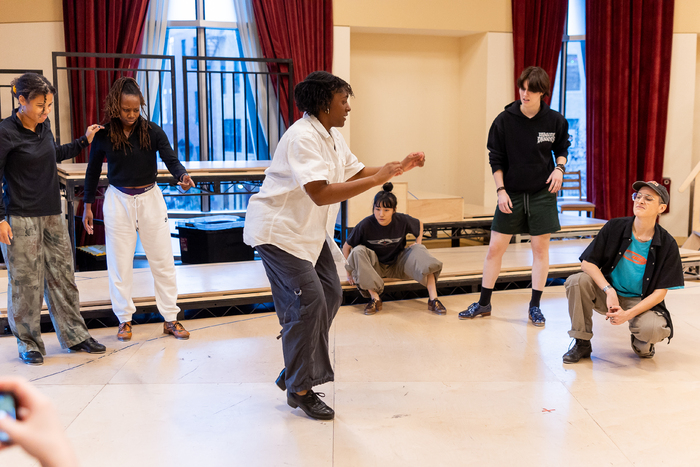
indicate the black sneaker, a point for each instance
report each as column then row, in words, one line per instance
column 32, row 357
column 89, row 345
column 536, row 316
column 475, row 310
column 311, row 404
column 581, row 349
column 649, row 354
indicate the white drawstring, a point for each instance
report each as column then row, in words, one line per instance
column 136, row 210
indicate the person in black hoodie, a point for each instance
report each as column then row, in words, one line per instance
column 33, row 234
column 524, row 142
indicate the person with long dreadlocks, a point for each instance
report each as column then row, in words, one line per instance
column 133, row 204
column 33, row 234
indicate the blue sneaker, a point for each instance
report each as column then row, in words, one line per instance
column 475, row 310
column 536, row 316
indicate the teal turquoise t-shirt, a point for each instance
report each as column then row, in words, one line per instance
column 628, row 275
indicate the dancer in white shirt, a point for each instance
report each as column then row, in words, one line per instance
column 290, row 223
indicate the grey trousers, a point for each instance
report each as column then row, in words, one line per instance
column 40, row 263
column 584, row 296
column 307, row 298
column 414, row 263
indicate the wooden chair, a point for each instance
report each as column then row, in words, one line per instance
column 572, row 182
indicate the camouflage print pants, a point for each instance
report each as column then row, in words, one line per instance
column 40, row 263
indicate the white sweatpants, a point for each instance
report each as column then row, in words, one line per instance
column 146, row 215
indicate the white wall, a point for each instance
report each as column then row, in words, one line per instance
column 29, row 46
column 678, row 152
column 406, row 99
column 341, row 67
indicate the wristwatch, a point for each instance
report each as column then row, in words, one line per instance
column 500, row 188
column 605, row 289
column 561, row 167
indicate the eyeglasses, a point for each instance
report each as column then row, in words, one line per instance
column 647, row 198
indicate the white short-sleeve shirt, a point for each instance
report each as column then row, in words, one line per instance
column 282, row 214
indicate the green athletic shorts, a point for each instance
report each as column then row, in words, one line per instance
column 534, row 214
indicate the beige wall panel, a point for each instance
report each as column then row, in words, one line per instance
column 696, row 131
column 435, row 15
column 406, row 90
column 470, row 159
column 686, row 16
column 499, row 93
column 31, row 11
column 17, row 54
column 341, row 66
column 678, row 152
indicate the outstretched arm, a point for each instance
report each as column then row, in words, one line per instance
column 323, row 193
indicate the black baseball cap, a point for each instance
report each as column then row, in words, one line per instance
column 658, row 188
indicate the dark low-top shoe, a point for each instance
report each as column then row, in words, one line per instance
column 436, row 307
column 89, row 345
column 581, row 349
column 475, row 310
column 311, row 404
column 373, row 306
column 32, row 357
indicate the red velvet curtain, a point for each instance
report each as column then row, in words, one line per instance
column 628, row 48
column 98, row 26
column 538, row 29
column 298, row 29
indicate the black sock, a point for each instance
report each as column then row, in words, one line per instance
column 535, row 300
column 485, row 298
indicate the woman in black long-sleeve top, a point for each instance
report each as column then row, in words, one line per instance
column 134, row 204
column 33, row 234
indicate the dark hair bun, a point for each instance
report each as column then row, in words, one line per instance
column 388, row 186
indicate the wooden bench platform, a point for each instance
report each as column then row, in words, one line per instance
column 240, row 283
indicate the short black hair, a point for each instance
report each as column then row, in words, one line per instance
column 30, row 85
column 385, row 198
column 315, row 93
column 537, row 80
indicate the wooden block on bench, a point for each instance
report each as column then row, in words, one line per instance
column 435, row 207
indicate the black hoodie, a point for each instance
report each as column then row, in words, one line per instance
column 522, row 147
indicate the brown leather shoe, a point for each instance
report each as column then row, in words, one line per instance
column 373, row 306
column 436, row 307
column 176, row 329
column 124, row 333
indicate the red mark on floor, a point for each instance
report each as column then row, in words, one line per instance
column 548, row 410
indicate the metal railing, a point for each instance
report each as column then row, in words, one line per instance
column 93, row 68
column 236, row 102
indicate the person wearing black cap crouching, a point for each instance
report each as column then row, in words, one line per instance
column 627, row 271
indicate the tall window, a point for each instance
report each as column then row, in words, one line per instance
column 222, row 118
column 569, row 93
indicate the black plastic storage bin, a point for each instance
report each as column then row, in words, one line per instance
column 216, row 239
column 91, row 258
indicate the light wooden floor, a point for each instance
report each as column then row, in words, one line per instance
column 411, row 389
